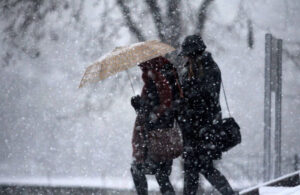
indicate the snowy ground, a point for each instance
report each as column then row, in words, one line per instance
column 102, row 183
column 121, row 184
column 280, row 190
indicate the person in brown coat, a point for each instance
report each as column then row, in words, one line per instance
column 154, row 111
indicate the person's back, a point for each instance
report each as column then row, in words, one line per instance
column 201, row 94
column 154, row 108
column 201, row 116
column 159, row 93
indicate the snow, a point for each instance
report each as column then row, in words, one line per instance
column 98, row 182
column 108, row 183
column 280, row 190
column 49, row 127
column 267, row 184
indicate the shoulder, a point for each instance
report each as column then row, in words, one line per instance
column 206, row 58
column 210, row 66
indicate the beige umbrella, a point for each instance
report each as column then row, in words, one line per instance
column 123, row 58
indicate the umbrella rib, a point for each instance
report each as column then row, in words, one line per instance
column 130, row 80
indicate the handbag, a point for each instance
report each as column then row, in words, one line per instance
column 232, row 135
column 229, row 130
column 164, row 144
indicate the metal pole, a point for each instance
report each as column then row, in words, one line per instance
column 278, row 103
column 267, row 108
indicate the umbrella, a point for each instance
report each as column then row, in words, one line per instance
column 123, row 58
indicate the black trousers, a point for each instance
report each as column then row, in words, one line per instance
column 193, row 165
column 161, row 170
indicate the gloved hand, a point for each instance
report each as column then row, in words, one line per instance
column 136, row 102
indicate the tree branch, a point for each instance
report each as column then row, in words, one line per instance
column 77, row 13
column 131, row 25
column 202, row 15
column 174, row 25
column 294, row 58
column 155, row 11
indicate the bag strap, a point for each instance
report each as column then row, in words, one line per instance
column 225, row 98
column 177, row 82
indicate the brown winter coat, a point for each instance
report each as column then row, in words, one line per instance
column 160, row 104
column 138, row 143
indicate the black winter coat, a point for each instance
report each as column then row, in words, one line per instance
column 201, row 110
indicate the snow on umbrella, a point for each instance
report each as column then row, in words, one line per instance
column 123, row 58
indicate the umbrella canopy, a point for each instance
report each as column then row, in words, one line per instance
column 123, row 58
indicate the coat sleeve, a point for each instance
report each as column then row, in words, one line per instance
column 209, row 88
column 212, row 83
column 212, row 78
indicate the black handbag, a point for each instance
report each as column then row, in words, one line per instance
column 229, row 130
column 231, row 134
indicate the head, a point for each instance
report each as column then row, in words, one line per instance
column 146, row 71
column 192, row 46
column 151, row 66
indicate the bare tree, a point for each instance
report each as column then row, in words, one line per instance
column 24, row 24
column 202, row 15
column 20, row 17
column 130, row 23
column 169, row 28
column 293, row 55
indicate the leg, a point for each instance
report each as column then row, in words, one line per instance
column 139, row 179
column 216, row 178
column 191, row 177
column 162, row 177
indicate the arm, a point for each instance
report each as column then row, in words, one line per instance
column 211, row 82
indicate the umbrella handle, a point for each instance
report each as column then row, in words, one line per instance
column 130, row 81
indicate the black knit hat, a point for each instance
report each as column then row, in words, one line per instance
column 192, row 44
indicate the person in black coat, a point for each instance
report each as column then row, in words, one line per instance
column 200, row 117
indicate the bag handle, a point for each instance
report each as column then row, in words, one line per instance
column 225, row 98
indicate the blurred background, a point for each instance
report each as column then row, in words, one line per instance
column 52, row 131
